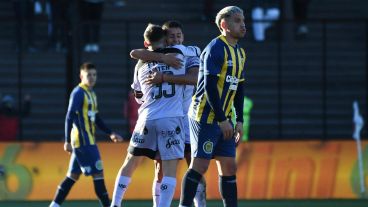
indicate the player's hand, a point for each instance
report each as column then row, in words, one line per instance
column 238, row 132
column 68, row 147
column 227, row 129
column 156, row 77
column 115, row 137
column 172, row 60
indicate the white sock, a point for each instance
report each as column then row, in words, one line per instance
column 200, row 197
column 121, row 185
column 168, row 185
column 53, row 204
column 156, row 193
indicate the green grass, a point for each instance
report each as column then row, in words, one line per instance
column 243, row 203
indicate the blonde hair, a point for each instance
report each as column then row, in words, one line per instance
column 225, row 13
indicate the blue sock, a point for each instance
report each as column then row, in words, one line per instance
column 229, row 190
column 101, row 191
column 189, row 187
column 63, row 190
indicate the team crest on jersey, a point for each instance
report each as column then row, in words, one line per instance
column 98, row 165
column 208, row 147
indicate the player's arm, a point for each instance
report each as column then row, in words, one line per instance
column 101, row 125
column 190, row 78
column 213, row 98
column 239, row 105
column 146, row 55
column 189, row 51
column 138, row 96
column 136, row 85
column 213, row 61
column 210, row 82
column 75, row 104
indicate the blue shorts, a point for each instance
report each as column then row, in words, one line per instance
column 85, row 159
column 208, row 142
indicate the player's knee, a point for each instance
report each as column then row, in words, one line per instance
column 158, row 174
column 98, row 176
column 229, row 169
column 200, row 165
column 74, row 176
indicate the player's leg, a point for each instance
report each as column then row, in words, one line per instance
column 168, row 183
column 203, row 138
column 124, row 177
column 226, row 166
column 227, row 180
column 100, row 189
column 142, row 143
column 200, row 196
column 170, row 139
column 191, row 180
column 90, row 161
column 63, row 189
column 157, row 183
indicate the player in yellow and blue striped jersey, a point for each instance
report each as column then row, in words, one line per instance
column 220, row 85
column 80, row 128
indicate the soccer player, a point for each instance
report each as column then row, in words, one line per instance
column 80, row 127
column 220, row 85
column 159, row 129
column 175, row 36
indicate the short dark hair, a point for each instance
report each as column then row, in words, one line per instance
column 172, row 24
column 153, row 33
column 87, row 66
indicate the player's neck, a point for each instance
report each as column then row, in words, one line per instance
column 230, row 40
column 88, row 87
column 155, row 46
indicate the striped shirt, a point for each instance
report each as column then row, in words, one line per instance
column 82, row 117
column 226, row 62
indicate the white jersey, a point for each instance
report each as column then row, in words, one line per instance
column 189, row 89
column 161, row 100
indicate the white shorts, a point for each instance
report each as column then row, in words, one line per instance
column 159, row 138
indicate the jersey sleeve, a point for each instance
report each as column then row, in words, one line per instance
column 244, row 57
column 213, row 59
column 101, row 124
column 189, row 51
column 136, row 85
column 191, row 62
column 75, row 105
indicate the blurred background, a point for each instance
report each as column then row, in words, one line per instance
column 307, row 62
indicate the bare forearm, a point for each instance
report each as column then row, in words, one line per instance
column 145, row 55
column 180, row 79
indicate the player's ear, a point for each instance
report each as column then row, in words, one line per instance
column 146, row 44
column 223, row 25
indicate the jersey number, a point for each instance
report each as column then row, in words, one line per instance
column 165, row 93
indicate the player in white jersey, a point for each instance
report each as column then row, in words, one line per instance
column 175, row 36
column 159, row 129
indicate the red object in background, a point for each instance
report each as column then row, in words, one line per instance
column 8, row 127
column 131, row 111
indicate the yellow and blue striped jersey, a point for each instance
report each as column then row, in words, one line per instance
column 226, row 62
column 82, row 117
